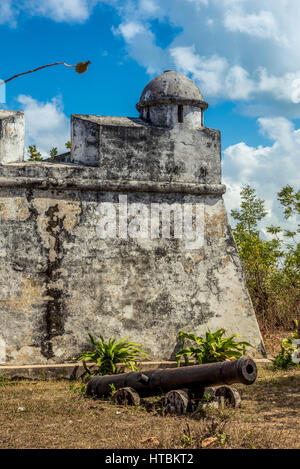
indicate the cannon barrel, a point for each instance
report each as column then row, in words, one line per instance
column 155, row 382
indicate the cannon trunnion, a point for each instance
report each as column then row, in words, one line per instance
column 183, row 386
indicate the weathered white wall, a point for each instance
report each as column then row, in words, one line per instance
column 60, row 280
column 133, row 149
column 12, row 130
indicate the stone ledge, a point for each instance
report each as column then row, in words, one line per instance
column 118, row 185
column 73, row 371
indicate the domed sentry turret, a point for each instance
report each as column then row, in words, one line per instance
column 171, row 99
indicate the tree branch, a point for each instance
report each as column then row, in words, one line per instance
column 83, row 68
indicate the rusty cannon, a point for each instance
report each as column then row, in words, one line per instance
column 184, row 387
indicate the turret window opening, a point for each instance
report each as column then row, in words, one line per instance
column 180, row 113
column 148, row 114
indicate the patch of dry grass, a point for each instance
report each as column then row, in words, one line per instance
column 47, row 414
column 272, row 339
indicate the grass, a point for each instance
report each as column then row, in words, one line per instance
column 47, row 414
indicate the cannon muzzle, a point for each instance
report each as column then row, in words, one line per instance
column 155, row 382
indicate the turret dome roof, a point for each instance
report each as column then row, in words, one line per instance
column 171, row 87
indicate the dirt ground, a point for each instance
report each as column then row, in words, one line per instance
column 49, row 414
column 272, row 340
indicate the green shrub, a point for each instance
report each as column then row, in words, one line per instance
column 284, row 359
column 53, row 152
column 213, row 348
column 106, row 355
column 33, row 154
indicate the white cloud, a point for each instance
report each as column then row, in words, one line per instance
column 130, row 30
column 295, row 91
column 7, row 13
column 216, row 78
column 285, row 87
column 207, row 71
column 266, row 168
column 58, row 10
column 199, row 3
column 234, row 49
column 61, row 10
column 261, row 25
column 140, row 42
column 238, row 85
column 46, row 124
column 149, row 6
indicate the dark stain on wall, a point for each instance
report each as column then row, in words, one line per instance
column 54, row 314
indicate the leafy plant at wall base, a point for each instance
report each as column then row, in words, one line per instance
column 106, row 355
column 213, row 348
column 284, row 359
column 6, row 381
column 112, row 388
column 207, row 397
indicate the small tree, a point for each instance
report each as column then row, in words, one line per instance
column 53, row 152
column 271, row 267
column 34, row 155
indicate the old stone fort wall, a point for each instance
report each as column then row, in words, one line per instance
column 60, row 279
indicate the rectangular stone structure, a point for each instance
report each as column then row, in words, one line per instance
column 12, row 129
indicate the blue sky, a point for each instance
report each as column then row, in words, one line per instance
column 243, row 54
